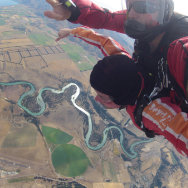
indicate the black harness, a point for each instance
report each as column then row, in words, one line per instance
column 164, row 80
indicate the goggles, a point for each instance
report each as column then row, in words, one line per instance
column 143, row 7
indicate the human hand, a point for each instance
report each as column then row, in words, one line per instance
column 63, row 33
column 59, row 12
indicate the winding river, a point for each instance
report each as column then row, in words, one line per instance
column 132, row 154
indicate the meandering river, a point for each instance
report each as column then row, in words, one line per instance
column 131, row 153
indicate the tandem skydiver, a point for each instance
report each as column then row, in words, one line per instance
column 160, row 47
column 119, row 82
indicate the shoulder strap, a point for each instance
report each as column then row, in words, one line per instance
column 141, row 104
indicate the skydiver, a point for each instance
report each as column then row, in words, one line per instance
column 161, row 36
column 119, row 82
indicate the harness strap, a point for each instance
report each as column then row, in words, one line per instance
column 160, row 90
column 141, row 104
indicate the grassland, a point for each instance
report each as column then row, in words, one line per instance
column 84, row 66
column 69, row 160
column 77, row 53
column 11, row 33
column 22, row 179
column 73, row 51
column 41, row 39
column 20, row 137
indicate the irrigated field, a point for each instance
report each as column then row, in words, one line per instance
column 55, row 136
column 69, row 160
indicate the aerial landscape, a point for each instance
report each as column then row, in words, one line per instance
column 52, row 131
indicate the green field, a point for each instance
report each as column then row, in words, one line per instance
column 22, row 179
column 84, row 66
column 92, row 59
column 76, row 53
column 41, row 39
column 12, row 33
column 55, row 136
column 69, row 160
column 21, row 137
column 73, row 51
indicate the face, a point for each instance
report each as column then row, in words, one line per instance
column 145, row 12
column 105, row 100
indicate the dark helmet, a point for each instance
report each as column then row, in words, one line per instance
column 120, row 78
column 159, row 12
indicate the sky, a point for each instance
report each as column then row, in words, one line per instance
column 181, row 6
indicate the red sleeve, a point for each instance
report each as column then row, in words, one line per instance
column 177, row 59
column 168, row 120
column 107, row 45
column 93, row 16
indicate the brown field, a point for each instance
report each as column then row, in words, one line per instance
column 108, row 185
column 15, row 42
column 35, row 153
column 5, row 116
column 13, row 93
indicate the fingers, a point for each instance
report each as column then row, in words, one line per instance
column 63, row 33
column 60, row 36
column 53, row 15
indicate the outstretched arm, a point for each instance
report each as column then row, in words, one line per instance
column 89, row 14
column 63, row 33
column 107, row 45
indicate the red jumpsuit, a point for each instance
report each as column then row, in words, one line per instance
column 160, row 115
column 93, row 16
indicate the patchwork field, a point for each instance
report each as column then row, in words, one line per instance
column 67, row 159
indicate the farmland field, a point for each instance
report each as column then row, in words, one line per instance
column 55, row 136
column 21, row 137
column 69, row 160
